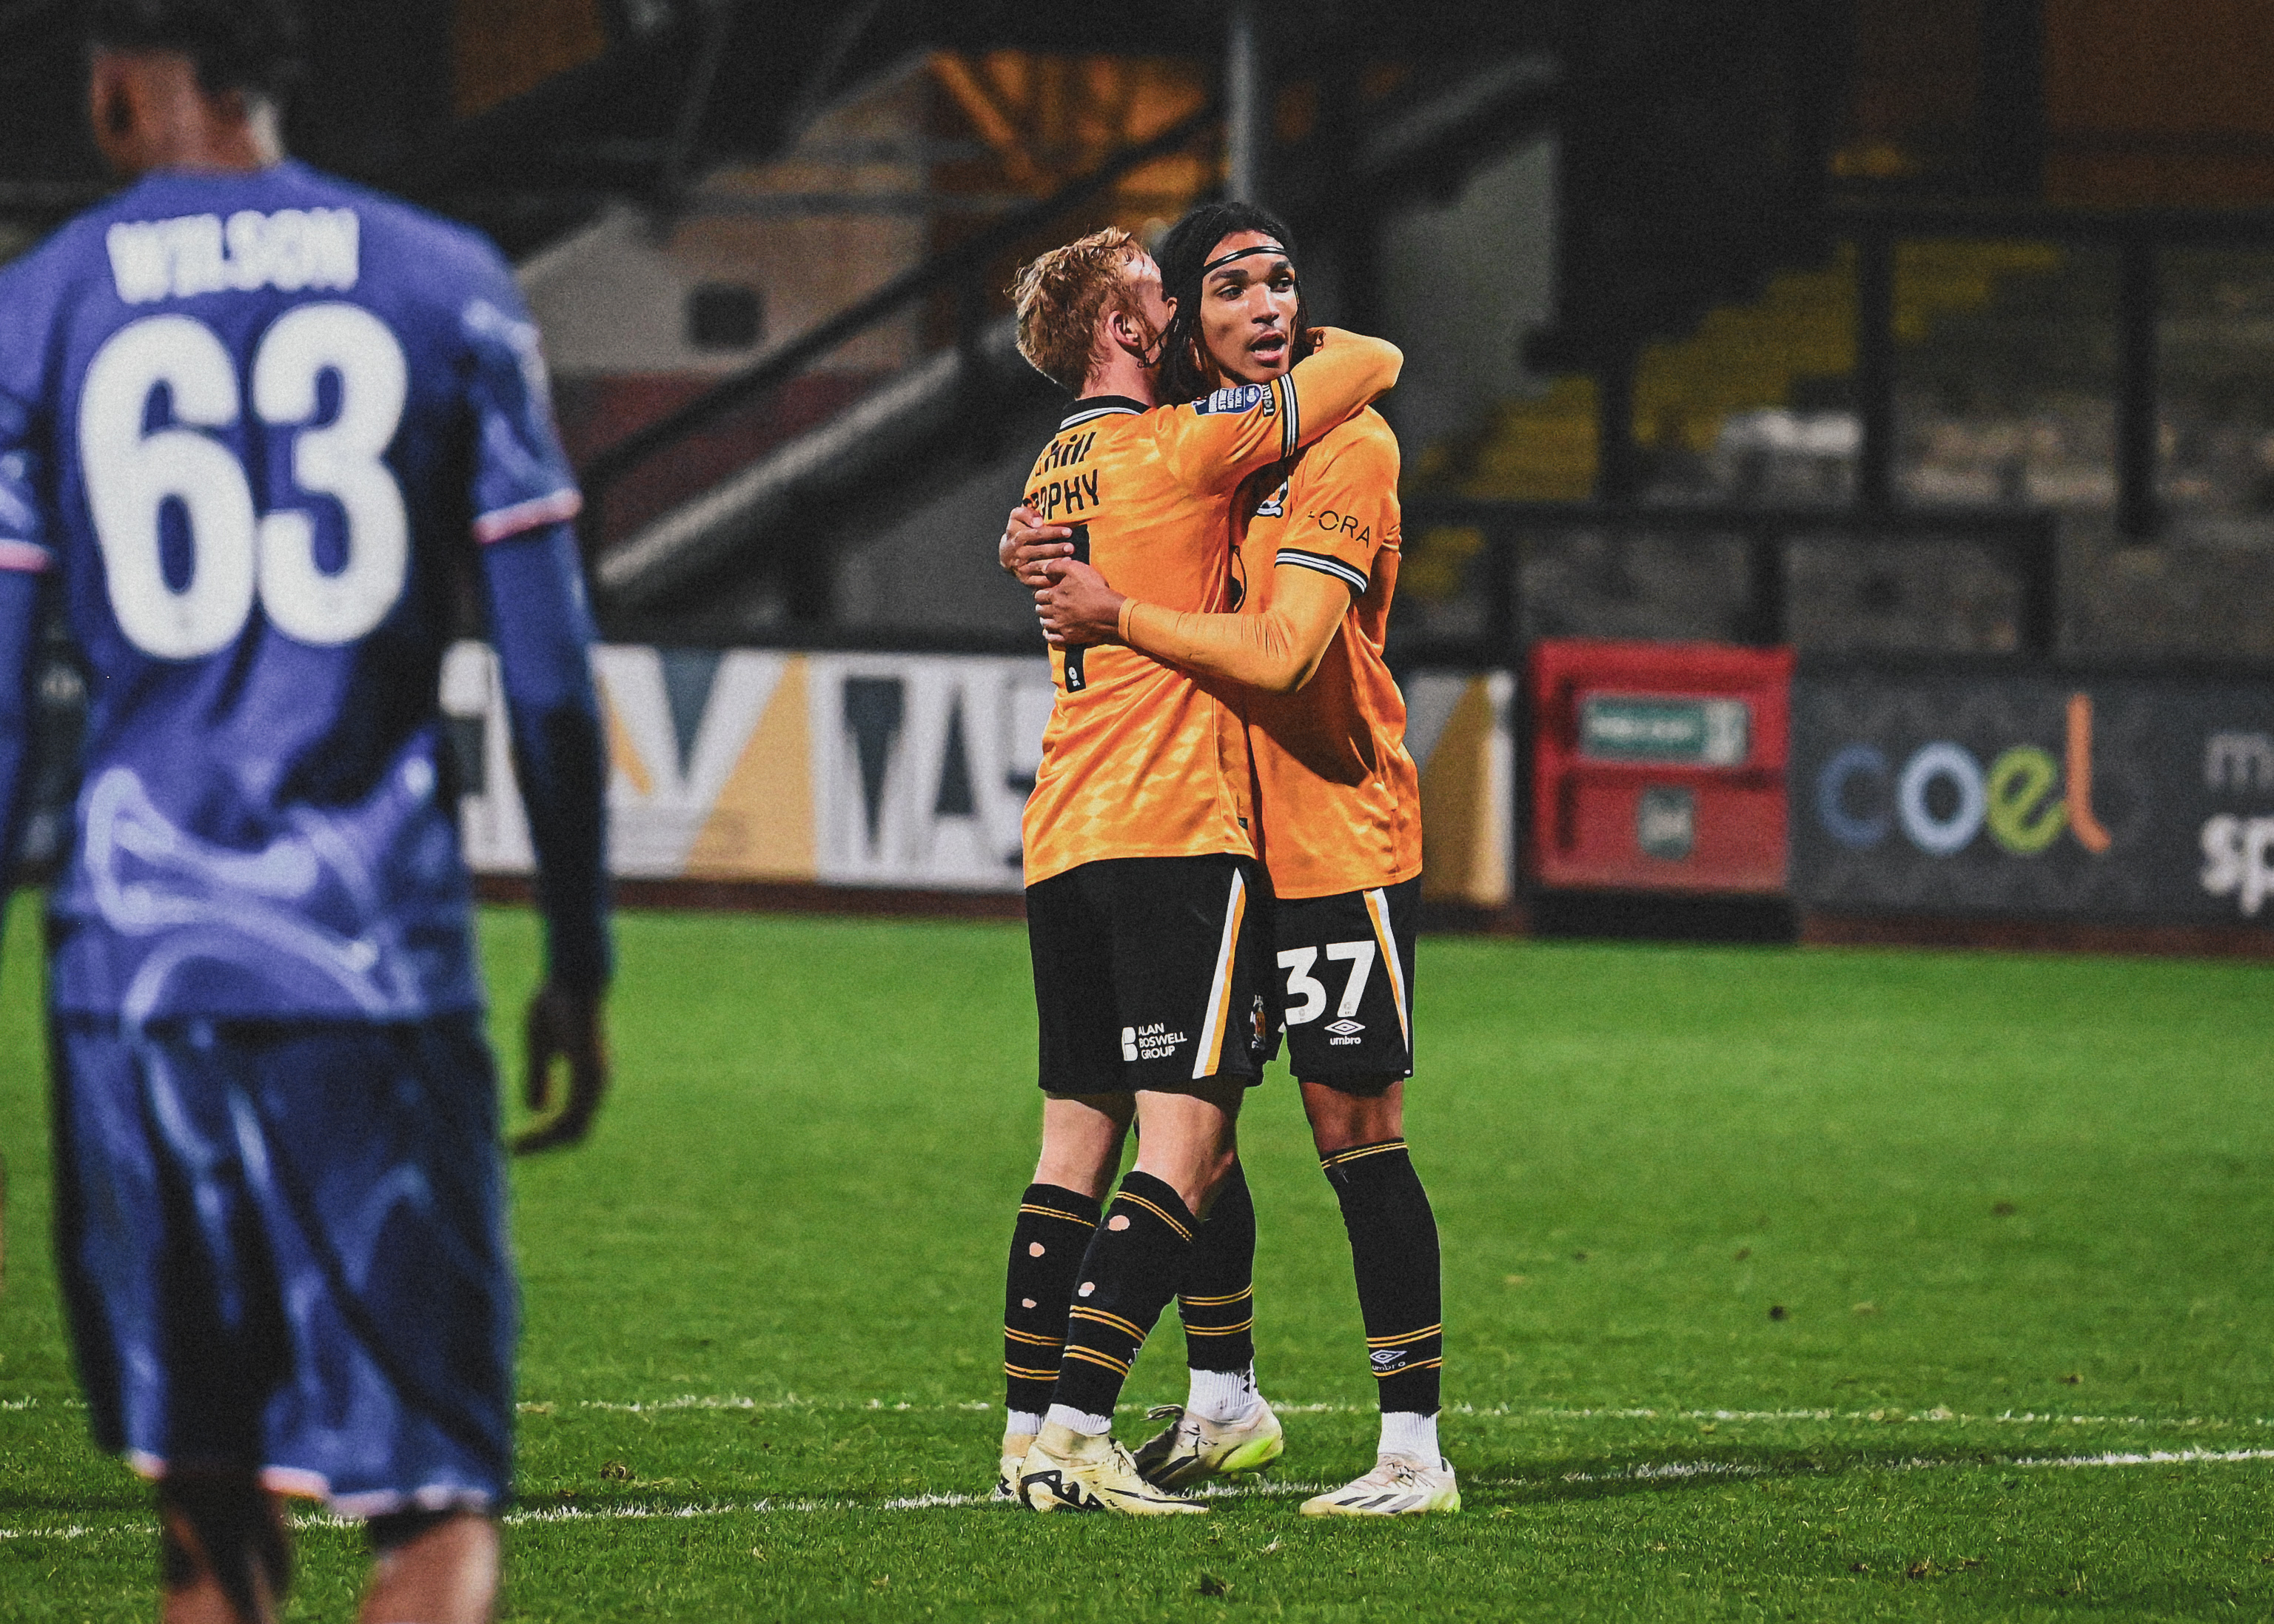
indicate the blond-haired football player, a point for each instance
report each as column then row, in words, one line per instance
column 1144, row 900
column 1338, row 798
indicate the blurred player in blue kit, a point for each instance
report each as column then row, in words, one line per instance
column 255, row 425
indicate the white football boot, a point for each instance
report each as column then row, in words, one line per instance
column 1398, row 1486
column 1191, row 1448
column 1015, row 1446
column 1068, row 1471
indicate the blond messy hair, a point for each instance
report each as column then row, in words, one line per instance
column 1062, row 295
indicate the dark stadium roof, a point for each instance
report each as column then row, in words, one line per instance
column 668, row 94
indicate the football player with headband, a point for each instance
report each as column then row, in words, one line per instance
column 1316, row 537
column 1148, row 915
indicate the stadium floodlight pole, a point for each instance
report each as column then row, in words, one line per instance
column 1243, row 106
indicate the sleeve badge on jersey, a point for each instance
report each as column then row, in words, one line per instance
column 1237, row 397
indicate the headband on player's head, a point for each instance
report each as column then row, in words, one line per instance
column 1261, row 248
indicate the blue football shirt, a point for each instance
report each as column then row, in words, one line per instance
column 258, row 421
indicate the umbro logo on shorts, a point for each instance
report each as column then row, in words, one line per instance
column 1345, row 1029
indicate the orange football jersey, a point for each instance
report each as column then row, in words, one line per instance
column 1138, row 759
column 1339, row 798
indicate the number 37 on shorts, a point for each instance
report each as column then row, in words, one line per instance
column 1346, row 969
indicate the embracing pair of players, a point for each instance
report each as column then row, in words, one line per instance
column 1224, row 845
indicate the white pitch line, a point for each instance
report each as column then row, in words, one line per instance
column 1655, row 1471
column 1889, row 1416
column 1662, row 1471
column 538, row 1515
column 2152, row 1457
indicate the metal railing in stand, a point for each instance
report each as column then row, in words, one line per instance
column 2137, row 235
column 959, row 268
column 2027, row 541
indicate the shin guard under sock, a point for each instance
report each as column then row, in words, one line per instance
column 1135, row 1260
column 1047, row 1243
column 1217, row 1297
column 1393, row 1237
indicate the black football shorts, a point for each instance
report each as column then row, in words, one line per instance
column 1346, row 982
column 1151, row 972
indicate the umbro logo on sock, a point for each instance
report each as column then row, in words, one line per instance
column 1388, row 1359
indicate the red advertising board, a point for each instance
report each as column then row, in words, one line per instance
column 1659, row 767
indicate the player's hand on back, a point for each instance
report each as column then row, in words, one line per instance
column 564, row 1029
column 1029, row 544
column 1078, row 606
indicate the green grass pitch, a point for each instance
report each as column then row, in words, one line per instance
column 1779, row 1285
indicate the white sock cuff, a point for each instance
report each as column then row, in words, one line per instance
column 1018, row 1421
column 1087, row 1425
column 1410, row 1434
column 1222, row 1395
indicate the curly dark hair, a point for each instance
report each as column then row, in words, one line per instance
column 1183, row 257
column 254, row 45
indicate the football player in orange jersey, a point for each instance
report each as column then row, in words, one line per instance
column 1146, row 911
column 1338, row 799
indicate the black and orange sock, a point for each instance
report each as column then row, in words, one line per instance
column 1217, row 1297
column 1047, row 1243
column 1393, row 1236
column 1135, row 1261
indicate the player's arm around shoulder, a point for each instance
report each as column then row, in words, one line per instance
column 1217, row 441
column 1278, row 650
column 1337, row 383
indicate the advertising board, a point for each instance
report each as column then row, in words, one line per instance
column 2033, row 794
column 893, row 770
column 901, row 771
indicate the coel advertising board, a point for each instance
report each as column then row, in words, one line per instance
column 2033, row 794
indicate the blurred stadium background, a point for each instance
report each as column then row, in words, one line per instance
column 1869, row 328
